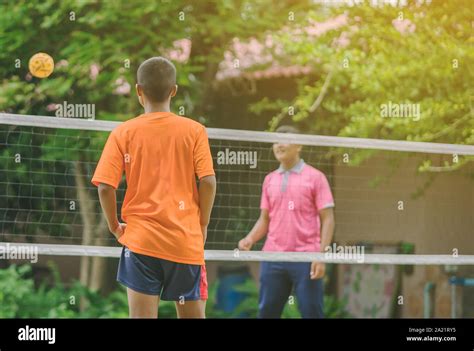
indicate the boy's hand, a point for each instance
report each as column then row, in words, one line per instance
column 317, row 270
column 119, row 230
column 245, row 244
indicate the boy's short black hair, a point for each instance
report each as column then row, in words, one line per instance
column 288, row 129
column 157, row 76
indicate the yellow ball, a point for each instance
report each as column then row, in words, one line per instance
column 41, row 65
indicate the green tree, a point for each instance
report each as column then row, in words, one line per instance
column 97, row 47
column 414, row 54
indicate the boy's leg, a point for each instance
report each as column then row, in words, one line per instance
column 275, row 288
column 185, row 284
column 309, row 293
column 142, row 305
column 143, row 276
column 191, row 309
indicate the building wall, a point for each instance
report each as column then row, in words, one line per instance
column 440, row 220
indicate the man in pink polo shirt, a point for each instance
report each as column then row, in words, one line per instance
column 296, row 215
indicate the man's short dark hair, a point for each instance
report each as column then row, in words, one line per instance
column 156, row 76
column 288, row 129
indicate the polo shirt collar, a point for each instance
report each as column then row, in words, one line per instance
column 296, row 168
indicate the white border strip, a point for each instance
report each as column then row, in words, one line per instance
column 57, row 122
column 255, row 256
column 247, row 135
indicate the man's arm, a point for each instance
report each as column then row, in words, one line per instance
column 327, row 232
column 327, row 227
column 207, row 193
column 258, row 231
column 108, row 202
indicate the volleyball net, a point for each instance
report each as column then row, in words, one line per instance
column 385, row 192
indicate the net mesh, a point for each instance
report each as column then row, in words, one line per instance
column 46, row 196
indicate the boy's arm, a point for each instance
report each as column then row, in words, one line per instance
column 327, row 227
column 107, row 177
column 318, row 269
column 108, row 202
column 207, row 193
column 258, row 231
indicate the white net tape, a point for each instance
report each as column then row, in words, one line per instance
column 241, row 256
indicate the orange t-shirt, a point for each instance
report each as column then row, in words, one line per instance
column 161, row 154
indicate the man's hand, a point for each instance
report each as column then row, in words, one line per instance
column 119, row 230
column 258, row 231
column 245, row 244
column 317, row 270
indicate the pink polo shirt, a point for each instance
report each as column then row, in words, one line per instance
column 293, row 199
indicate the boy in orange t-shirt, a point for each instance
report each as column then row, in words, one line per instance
column 166, row 213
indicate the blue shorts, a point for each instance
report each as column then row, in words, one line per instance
column 171, row 281
column 279, row 279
